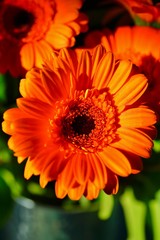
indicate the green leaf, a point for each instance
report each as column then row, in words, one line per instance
column 156, row 146
column 106, row 204
column 10, row 180
column 155, row 24
column 140, row 22
column 6, row 202
column 135, row 215
column 2, row 88
column 84, row 203
column 154, row 206
column 35, row 189
column 6, row 154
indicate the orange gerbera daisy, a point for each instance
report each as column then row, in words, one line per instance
column 81, row 122
column 137, row 44
column 30, row 29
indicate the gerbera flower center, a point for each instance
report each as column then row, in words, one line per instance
column 88, row 122
column 17, row 21
column 83, row 124
column 26, row 22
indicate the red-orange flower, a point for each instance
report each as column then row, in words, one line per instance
column 81, row 122
column 144, row 9
column 30, row 30
column 140, row 45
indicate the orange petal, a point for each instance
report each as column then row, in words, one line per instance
column 69, row 57
column 7, row 127
column 115, row 160
column 91, row 191
column 53, row 165
column 119, row 39
column 104, row 71
column 13, row 114
column 20, row 145
column 27, row 56
column 98, row 53
column 81, row 168
column 40, row 54
column 10, row 115
column 112, row 185
column 134, row 141
column 66, row 179
column 100, row 172
column 60, row 81
column 35, row 108
column 120, row 76
column 141, row 45
column 137, row 118
column 69, row 4
column 59, row 190
column 32, row 87
column 76, row 27
column 52, row 83
column 76, row 192
column 28, row 171
column 131, row 91
column 32, row 167
column 84, row 71
column 57, row 38
column 29, row 126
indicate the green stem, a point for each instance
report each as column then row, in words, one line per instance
column 154, row 206
column 106, row 204
column 135, row 215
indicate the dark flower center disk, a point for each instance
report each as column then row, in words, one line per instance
column 83, row 124
column 17, row 21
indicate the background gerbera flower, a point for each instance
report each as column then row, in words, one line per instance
column 141, row 46
column 81, row 122
column 143, row 9
column 30, row 30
